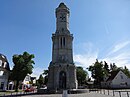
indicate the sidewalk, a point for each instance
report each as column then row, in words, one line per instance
column 71, row 95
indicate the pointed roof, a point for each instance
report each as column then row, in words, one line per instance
column 62, row 8
column 62, row 5
column 4, row 62
column 113, row 75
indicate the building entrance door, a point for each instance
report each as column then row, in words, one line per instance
column 62, row 80
column 2, row 85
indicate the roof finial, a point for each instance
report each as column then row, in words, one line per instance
column 62, row 5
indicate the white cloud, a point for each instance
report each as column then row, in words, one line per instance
column 84, row 60
column 119, row 55
column 119, row 46
column 88, row 56
column 121, row 59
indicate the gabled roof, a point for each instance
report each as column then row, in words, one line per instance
column 4, row 60
column 113, row 75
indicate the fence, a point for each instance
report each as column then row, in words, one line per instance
column 116, row 93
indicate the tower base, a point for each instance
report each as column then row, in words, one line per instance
column 62, row 76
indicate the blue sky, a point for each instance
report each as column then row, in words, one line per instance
column 101, row 29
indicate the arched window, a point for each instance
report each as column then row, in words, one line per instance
column 3, row 57
column 1, row 73
column 5, row 64
column 62, row 29
column 61, row 42
column 0, row 62
column 64, row 41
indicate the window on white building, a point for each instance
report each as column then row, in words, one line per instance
column 2, row 85
column 3, row 56
column 5, row 64
column 1, row 73
column 27, row 78
column 121, row 76
column 0, row 62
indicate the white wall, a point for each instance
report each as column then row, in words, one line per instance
column 5, row 83
column 120, row 81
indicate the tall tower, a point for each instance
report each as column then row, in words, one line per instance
column 62, row 71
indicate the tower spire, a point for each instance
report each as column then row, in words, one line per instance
column 62, row 18
column 62, row 5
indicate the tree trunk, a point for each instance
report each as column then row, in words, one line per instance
column 16, row 87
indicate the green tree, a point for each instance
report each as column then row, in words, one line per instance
column 45, row 73
column 126, row 71
column 81, row 75
column 106, row 69
column 113, row 67
column 40, row 80
column 22, row 67
column 97, row 72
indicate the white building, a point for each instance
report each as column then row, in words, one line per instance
column 117, row 80
column 4, row 72
column 26, row 82
column 27, row 79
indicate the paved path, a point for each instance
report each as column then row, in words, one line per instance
column 71, row 95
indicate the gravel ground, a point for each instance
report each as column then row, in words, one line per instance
column 94, row 93
column 71, row 95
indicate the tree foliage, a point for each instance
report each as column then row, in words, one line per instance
column 97, row 71
column 81, row 75
column 45, row 73
column 125, row 70
column 22, row 67
column 106, row 68
column 40, row 80
column 113, row 67
column 100, row 70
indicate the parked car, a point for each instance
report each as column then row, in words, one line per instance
column 31, row 89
